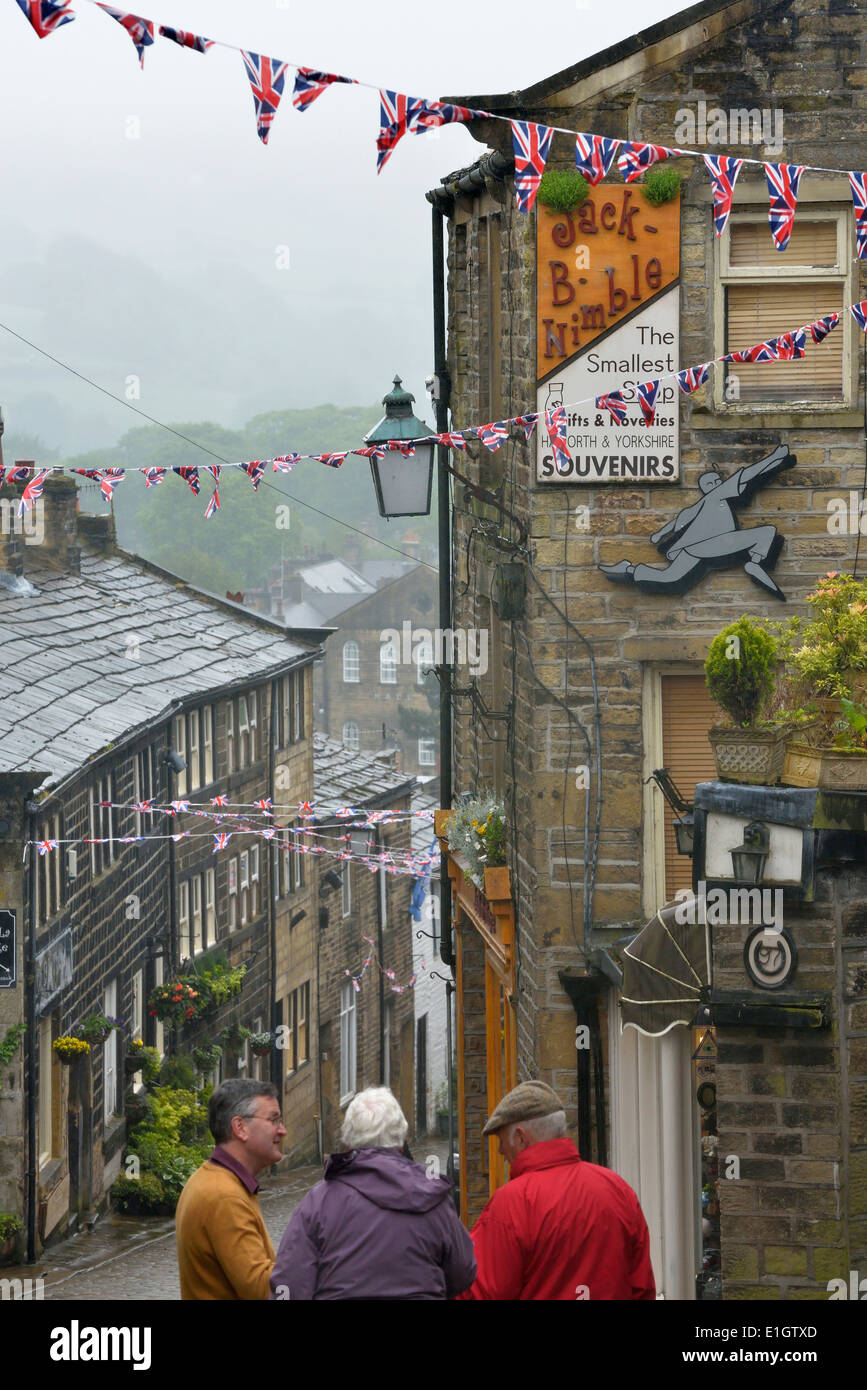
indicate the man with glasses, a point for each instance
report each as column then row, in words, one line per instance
column 224, row 1250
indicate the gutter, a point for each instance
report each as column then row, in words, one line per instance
column 468, row 181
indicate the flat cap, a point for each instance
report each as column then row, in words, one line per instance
column 528, row 1101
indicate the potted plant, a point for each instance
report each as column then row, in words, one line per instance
column 741, row 670
column 830, row 657
column 141, row 1058
column 261, row 1043
column 70, row 1049
column 207, row 1057
column 477, row 831
column 840, row 764
column 10, row 1225
column 10, row 1044
column 233, row 1036
column 95, row 1028
column 175, row 1002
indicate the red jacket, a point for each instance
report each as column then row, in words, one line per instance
column 561, row 1229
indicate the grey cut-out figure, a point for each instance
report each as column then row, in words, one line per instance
column 707, row 534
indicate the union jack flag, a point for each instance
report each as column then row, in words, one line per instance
column 531, row 144
column 822, row 327
column 859, row 199
column 310, row 84
column 402, row 446
column 141, row 31
column 221, row 840
column 213, row 504
column 142, row 806
column 20, row 472
column 219, row 801
column 691, row 378
column 46, row 846
column 431, row 114
column 177, row 807
column 181, row 835
column 284, row 463
column 555, row 423
column 396, row 111
column 269, row 833
column 647, row 393
column 45, row 16
column 267, row 76
column 186, row 39
column 109, row 479
column 266, row 805
column 372, row 451
column 305, row 809
column 153, row 476
column 33, row 491
column 190, row 477
column 254, row 471
column 332, row 460
column 723, row 170
column 594, row 155
column 614, row 403
column 783, row 180
column 790, row 345
column 493, row 435
column 452, row 439
column 859, row 314
column 344, row 812
column 637, row 157
column 527, row 423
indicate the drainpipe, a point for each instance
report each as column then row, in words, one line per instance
column 30, row 1014
column 380, row 900
column 445, row 565
column 274, row 865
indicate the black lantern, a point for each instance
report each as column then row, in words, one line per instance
column 403, row 485
column 684, row 832
column 748, row 859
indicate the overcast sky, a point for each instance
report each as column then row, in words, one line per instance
column 159, row 256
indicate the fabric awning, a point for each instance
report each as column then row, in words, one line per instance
column 664, row 970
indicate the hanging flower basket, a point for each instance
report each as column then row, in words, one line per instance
column 261, row 1044
column 71, row 1050
column 95, row 1028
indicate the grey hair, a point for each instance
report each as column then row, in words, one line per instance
column 544, row 1127
column 238, row 1096
column 374, row 1120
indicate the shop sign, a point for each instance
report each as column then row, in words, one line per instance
column 53, row 969
column 608, row 318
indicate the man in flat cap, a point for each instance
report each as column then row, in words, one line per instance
column 560, row 1228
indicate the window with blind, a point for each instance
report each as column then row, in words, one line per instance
column 767, row 292
column 687, row 714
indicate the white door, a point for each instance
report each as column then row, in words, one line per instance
column 654, row 1147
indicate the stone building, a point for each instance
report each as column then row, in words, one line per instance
column 375, row 690
column 594, row 680
column 365, row 1033
column 115, row 674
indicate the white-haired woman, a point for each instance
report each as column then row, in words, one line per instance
column 377, row 1226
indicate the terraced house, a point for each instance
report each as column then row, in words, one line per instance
column 121, row 686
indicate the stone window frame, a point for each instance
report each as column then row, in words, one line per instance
column 388, row 658
column 50, row 877
column 430, row 747
column 817, row 200
column 351, row 663
column 350, row 740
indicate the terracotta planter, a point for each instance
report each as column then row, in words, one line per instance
column 498, row 883
column 754, row 756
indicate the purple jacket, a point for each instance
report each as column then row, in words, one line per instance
column 376, row 1227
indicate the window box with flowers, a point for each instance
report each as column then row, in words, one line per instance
column 476, row 830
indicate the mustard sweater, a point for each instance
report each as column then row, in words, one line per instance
column 224, row 1250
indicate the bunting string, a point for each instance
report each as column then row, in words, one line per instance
column 787, row 346
column 400, row 114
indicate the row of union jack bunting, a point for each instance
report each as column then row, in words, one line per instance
column 401, row 114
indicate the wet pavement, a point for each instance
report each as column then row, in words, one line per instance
column 131, row 1258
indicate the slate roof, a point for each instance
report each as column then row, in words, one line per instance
column 341, row 777
column 90, row 659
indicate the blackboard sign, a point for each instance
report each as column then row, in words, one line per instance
column 7, row 950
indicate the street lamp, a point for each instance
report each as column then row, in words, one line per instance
column 748, row 859
column 403, row 485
